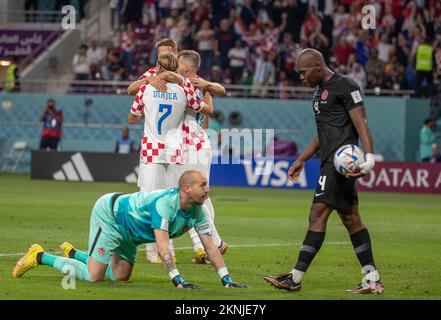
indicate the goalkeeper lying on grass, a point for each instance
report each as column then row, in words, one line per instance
column 121, row 222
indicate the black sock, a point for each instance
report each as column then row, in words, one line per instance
column 362, row 246
column 39, row 257
column 311, row 245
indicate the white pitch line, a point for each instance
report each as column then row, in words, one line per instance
column 230, row 246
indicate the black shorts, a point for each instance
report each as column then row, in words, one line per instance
column 335, row 190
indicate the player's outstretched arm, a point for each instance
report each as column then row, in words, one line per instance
column 156, row 81
column 131, row 118
column 170, row 76
column 216, row 89
column 162, row 243
column 134, row 86
column 297, row 167
column 218, row 262
column 359, row 119
column 208, row 104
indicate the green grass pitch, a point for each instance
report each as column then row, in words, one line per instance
column 263, row 227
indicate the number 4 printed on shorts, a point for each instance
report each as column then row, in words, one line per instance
column 322, row 182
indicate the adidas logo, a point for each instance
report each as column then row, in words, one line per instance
column 133, row 177
column 74, row 170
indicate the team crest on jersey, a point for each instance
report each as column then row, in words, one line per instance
column 325, row 94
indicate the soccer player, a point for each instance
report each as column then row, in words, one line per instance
column 165, row 46
column 162, row 142
column 197, row 151
column 341, row 119
column 121, row 222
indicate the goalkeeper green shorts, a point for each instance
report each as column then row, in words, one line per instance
column 105, row 238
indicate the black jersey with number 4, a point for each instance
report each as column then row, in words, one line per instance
column 331, row 102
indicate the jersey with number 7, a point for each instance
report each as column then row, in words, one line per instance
column 162, row 140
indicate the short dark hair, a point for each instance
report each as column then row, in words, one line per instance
column 191, row 56
column 167, row 42
column 428, row 120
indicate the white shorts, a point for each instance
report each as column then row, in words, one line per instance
column 198, row 160
column 155, row 176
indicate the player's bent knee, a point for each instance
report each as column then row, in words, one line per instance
column 122, row 276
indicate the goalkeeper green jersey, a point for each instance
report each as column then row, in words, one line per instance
column 138, row 214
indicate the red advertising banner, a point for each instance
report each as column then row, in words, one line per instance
column 403, row 177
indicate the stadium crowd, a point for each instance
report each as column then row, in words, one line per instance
column 255, row 42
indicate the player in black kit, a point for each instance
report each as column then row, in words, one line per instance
column 341, row 119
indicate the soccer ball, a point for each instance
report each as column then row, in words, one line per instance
column 347, row 158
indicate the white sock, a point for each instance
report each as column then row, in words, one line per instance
column 152, row 252
column 196, row 240
column 297, row 276
column 208, row 207
column 171, row 247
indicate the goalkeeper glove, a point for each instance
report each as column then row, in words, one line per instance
column 179, row 282
column 368, row 165
column 229, row 283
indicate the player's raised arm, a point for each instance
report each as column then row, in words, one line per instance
column 359, row 119
column 218, row 262
column 136, row 110
column 162, row 243
column 297, row 166
column 214, row 88
column 208, row 104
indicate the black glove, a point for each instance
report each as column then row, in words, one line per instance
column 229, row 283
column 181, row 283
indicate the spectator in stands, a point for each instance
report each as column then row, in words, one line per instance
column 12, row 80
column 133, row 11
column 375, row 69
column 205, row 38
column 52, row 120
column 424, row 66
column 224, row 40
column 265, row 72
column 164, row 8
column 384, row 48
column 113, row 69
column 81, row 64
column 343, row 49
column 341, row 19
column 358, row 75
column 429, row 150
column 248, row 12
column 363, row 47
column 160, row 31
column 96, row 57
column 402, row 49
column 237, row 56
column 200, row 12
column 125, row 144
column 128, row 43
column 116, row 16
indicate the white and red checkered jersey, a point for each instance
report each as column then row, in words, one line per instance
column 149, row 73
column 195, row 137
column 162, row 140
column 127, row 42
column 194, row 102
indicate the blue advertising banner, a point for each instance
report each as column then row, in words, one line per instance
column 263, row 173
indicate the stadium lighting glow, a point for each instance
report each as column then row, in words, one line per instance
column 5, row 63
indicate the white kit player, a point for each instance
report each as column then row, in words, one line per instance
column 162, row 148
column 198, row 153
column 159, row 81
